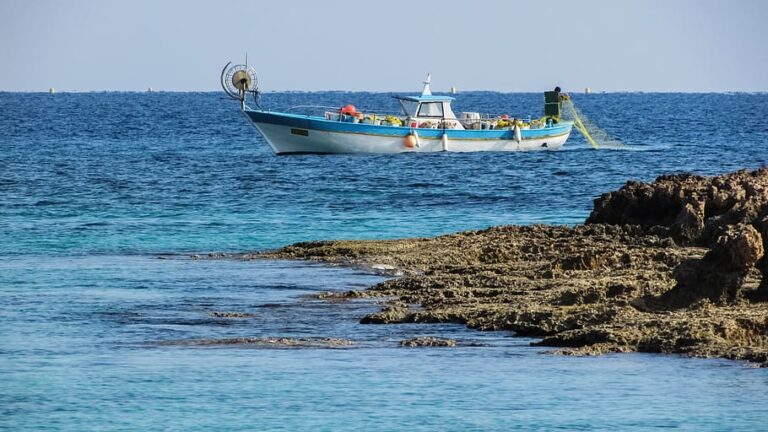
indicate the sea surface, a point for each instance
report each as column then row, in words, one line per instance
column 107, row 198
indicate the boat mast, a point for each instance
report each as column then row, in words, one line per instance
column 427, row 91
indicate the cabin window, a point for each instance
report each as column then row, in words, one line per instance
column 431, row 109
column 409, row 107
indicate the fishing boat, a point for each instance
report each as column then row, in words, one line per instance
column 426, row 124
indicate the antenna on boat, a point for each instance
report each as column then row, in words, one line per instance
column 427, row 91
column 238, row 80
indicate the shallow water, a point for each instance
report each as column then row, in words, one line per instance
column 95, row 188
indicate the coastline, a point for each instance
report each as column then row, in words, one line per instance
column 674, row 266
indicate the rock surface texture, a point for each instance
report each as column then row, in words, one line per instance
column 674, row 266
column 427, row 342
column 692, row 210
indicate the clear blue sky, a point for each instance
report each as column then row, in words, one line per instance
column 609, row 45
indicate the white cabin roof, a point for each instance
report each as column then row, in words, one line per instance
column 430, row 98
column 426, row 94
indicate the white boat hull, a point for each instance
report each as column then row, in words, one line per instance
column 306, row 135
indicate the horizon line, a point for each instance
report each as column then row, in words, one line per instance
column 592, row 91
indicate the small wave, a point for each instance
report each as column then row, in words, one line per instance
column 46, row 202
column 95, row 224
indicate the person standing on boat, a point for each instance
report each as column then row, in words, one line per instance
column 561, row 96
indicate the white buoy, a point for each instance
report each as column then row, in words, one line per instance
column 444, row 141
column 587, row 90
column 518, row 134
column 416, row 135
column 149, row 90
column 51, row 90
column 453, row 89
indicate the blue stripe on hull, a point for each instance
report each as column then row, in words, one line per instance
column 321, row 124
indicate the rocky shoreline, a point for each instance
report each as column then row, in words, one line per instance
column 673, row 266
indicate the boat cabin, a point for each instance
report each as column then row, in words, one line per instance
column 429, row 111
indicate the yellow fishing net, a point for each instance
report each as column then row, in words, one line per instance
column 594, row 135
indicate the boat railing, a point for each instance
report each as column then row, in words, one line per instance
column 376, row 117
column 320, row 110
column 338, row 114
column 310, row 110
column 471, row 120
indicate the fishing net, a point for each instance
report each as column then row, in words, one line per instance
column 594, row 135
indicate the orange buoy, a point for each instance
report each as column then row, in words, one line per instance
column 410, row 141
column 349, row 109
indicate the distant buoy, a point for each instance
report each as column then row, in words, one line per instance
column 149, row 90
column 410, row 141
column 587, row 90
column 51, row 90
column 453, row 89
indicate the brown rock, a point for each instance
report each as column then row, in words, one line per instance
column 219, row 314
column 743, row 245
column 762, row 264
column 720, row 274
column 683, row 202
column 617, row 284
column 689, row 223
column 427, row 341
column 394, row 312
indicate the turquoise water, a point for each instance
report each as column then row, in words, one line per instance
column 104, row 196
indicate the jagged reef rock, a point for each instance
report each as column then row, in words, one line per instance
column 692, row 209
column 661, row 267
column 720, row 274
column 762, row 265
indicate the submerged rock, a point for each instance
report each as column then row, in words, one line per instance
column 220, row 314
column 393, row 312
column 266, row 342
column 427, row 341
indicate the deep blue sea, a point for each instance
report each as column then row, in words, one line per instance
column 105, row 196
